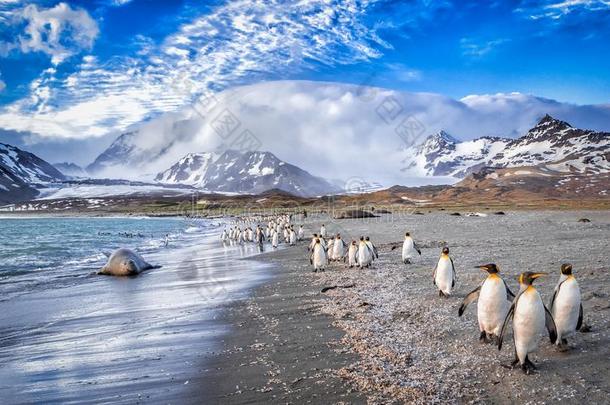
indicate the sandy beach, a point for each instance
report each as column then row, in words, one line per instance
column 389, row 338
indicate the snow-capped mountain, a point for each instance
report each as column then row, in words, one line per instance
column 21, row 172
column 442, row 155
column 191, row 170
column 247, row 172
column 558, row 146
column 70, row 169
column 121, row 150
column 551, row 143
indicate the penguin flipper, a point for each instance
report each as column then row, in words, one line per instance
column 579, row 322
column 550, row 325
column 416, row 248
column 471, row 297
column 311, row 258
column 509, row 294
column 453, row 275
column 509, row 315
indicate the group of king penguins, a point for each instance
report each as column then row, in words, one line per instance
column 497, row 305
column 324, row 250
column 278, row 229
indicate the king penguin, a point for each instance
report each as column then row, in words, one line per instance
column 444, row 274
column 566, row 306
column 494, row 298
column 365, row 255
column 318, row 257
column 352, row 252
column 530, row 317
column 408, row 249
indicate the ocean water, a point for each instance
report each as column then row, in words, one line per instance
column 68, row 334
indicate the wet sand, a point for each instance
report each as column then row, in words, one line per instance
column 390, row 338
column 77, row 337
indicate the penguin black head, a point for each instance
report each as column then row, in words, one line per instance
column 528, row 277
column 408, row 234
column 317, row 240
column 445, row 250
column 566, row 269
column 362, row 238
column 367, row 238
column 491, row 268
column 353, row 242
column 315, row 235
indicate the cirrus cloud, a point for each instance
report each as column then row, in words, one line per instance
column 60, row 31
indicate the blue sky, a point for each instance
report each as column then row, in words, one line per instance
column 78, row 69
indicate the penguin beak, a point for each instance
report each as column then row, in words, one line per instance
column 536, row 275
column 482, row 267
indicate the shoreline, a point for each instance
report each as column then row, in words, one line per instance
column 78, row 337
column 279, row 348
column 390, row 339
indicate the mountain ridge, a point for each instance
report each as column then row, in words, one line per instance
column 552, row 143
column 250, row 172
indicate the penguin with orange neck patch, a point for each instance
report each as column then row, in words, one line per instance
column 530, row 318
column 494, row 299
column 444, row 274
column 566, row 306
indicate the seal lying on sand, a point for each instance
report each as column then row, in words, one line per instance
column 125, row 262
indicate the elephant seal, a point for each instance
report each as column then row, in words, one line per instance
column 125, row 262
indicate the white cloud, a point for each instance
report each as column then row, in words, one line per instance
column 59, row 32
column 472, row 48
column 557, row 10
column 119, row 3
column 241, row 40
column 340, row 131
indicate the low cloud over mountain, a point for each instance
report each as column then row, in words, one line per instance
column 331, row 130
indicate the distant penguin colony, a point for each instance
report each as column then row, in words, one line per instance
column 497, row 306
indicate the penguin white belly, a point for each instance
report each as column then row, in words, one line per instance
column 352, row 256
column 319, row 257
column 274, row 240
column 293, row 238
column 444, row 275
column 528, row 323
column 407, row 249
column 492, row 306
column 566, row 309
column 337, row 250
column 364, row 255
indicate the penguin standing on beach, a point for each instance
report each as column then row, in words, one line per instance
column 329, row 248
column 323, row 231
column 365, row 255
column 530, row 318
column 494, row 298
column 444, row 274
column 339, row 248
column 274, row 238
column 260, row 237
column 318, row 257
column 301, row 233
column 373, row 248
column 409, row 248
column 566, row 306
column 352, row 252
column 292, row 235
